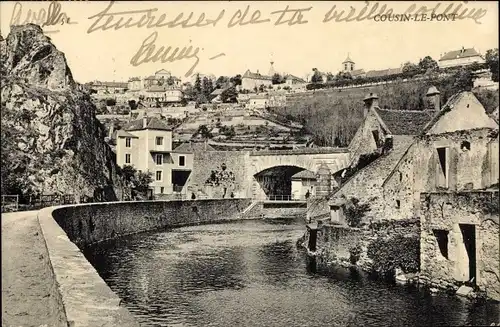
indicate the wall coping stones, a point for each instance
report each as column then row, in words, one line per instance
column 87, row 299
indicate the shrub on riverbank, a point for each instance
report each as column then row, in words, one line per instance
column 398, row 251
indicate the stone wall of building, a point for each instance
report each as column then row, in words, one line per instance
column 205, row 162
column 444, row 255
column 86, row 224
column 336, row 242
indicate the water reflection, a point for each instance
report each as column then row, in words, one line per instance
column 251, row 274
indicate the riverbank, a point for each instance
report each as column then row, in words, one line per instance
column 29, row 296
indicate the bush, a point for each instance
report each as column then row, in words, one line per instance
column 354, row 212
column 398, row 251
column 355, row 253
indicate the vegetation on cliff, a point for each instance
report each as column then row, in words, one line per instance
column 334, row 115
column 52, row 142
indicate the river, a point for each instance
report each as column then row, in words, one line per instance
column 250, row 273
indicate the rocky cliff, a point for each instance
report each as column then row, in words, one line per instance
column 52, row 141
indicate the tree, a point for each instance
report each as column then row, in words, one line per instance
column 136, row 180
column 329, row 77
column 132, row 104
column 221, row 82
column 316, row 78
column 197, row 84
column 410, row 69
column 204, row 132
column 222, row 178
column 427, row 63
column 261, row 88
column 110, row 102
column 236, row 80
column 278, row 79
column 463, row 80
column 207, row 87
column 229, row 95
column 492, row 62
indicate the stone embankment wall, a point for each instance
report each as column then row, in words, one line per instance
column 87, row 299
column 87, row 224
column 335, row 244
column 277, row 210
column 444, row 254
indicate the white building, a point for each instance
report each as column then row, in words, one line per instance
column 258, row 101
column 250, row 81
column 460, row 57
column 146, row 144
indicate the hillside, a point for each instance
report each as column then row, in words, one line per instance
column 52, row 141
column 333, row 115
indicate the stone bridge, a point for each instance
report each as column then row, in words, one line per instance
column 283, row 164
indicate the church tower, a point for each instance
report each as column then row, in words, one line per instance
column 271, row 69
column 348, row 65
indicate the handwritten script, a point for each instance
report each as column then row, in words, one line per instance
column 45, row 18
column 110, row 19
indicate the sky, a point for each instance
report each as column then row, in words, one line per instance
column 97, row 53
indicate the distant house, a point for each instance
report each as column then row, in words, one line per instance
column 294, row 82
column 108, row 87
column 384, row 72
column 303, row 182
column 460, row 57
column 250, row 80
column 162, row 95
column 146, row 144
column 135, row 84
column 258, row 101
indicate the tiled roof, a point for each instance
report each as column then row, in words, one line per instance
column 348, row 59
column 384, row 72
column 162, row 71
column 131, row 79
column 462, row 53
column 193, row 147
column 295, row 78
column 405, row 122
column 152, row 123
column 249, row 74
column 122, row 133
column 357, row 72
column 304, row 174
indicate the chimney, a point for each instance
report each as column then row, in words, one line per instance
column 433, row 99
column 144, row 120
column 371, row 101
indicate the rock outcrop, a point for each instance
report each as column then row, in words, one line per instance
column 52, row 142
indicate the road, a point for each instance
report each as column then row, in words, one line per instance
column 29, row 297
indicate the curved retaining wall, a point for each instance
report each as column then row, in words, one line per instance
column 87, row 299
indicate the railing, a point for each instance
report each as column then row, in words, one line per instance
column 283, row 198
column 10, row 203
column 20, row 203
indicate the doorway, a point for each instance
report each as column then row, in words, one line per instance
column 469, row 237
column 313, row 235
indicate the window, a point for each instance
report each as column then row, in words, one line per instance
column 162, row 190
column 398, row 204
column 158, row 175
column 128, row 142
column 465, row 146
column 376, row 137
column 442, row 239
column 400, row 176
column 159, row 159
column 442, row 168
column 159, row 140
column 345, row 67
column 127, row 158
column 182, row 161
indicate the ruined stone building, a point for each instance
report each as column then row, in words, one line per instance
column 440, row 166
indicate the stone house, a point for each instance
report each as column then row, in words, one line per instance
column 377, row 147
column 457, row 151
column 250, row 80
